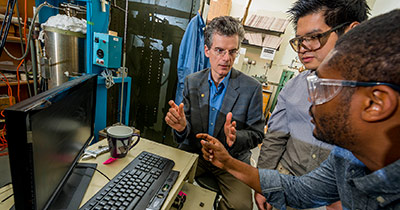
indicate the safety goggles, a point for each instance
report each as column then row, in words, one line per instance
column 313, row 42
column 324, row 90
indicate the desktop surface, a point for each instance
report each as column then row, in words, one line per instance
column 185, row 164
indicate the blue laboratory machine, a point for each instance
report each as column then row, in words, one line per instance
column 107, row 50
column 102, row 53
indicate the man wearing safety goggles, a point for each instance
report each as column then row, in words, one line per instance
column 289, row 146
column 355, row 96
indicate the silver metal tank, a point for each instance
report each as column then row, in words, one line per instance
column 66, row 54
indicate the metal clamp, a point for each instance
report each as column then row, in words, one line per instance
column 107, row 74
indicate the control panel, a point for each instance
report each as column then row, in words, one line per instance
column 107, row 50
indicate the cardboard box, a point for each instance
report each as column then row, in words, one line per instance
column 219, row 8
column 5, row 101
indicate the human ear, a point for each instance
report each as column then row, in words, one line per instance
column 351, row 26
column 381, row 103
column 206, row 51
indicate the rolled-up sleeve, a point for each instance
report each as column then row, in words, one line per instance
column 315, row 189
column 272, row 188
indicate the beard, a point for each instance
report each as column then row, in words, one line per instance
column 335, row 128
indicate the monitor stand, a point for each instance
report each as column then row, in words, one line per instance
column 71, row 195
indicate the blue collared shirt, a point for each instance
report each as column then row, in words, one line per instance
column 216, row 98
column 342, row 176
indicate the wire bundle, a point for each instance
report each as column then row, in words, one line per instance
column 5, row 26
column 3, row 38
column 3, row 141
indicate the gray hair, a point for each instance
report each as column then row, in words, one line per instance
column 223, row 25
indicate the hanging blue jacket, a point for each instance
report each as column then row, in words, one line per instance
column 191, row 53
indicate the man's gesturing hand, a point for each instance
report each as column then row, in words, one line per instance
column 176, row 116
column 230, row 130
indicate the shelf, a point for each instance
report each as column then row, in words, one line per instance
column 258, row 46
column 13, row 67
column 14, row 83
column 14, row 39
column 252, row 45
column 261, row 30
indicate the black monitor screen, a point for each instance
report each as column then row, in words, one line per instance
column 59, row 125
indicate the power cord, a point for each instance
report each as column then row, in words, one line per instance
column 7, row 198
column 78, row 166
column 6, row 191
column 5, row 26
column 30, row 31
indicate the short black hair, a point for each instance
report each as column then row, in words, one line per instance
column 336, row 12
column 370, row 51
column 223, row 25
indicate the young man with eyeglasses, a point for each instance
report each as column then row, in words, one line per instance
column 289, row 146
column 355, row 95
column 221, row 101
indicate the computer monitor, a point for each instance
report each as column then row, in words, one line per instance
column 46, row 135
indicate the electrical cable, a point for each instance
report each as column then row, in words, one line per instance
column 7, row 198
column 4, row 144
column 30, row 31
column 18, row 80
column 9, row 87
column 78, row 166
column 6, row 23
column 25, row 18
column 5, row 17
column 22, row 49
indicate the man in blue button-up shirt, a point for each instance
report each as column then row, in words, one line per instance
column 221, row 101
column 355, row 97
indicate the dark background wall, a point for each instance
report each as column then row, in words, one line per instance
column 155, row 30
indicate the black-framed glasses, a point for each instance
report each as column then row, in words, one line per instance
column 323, row 90
column 315, row 41
column 222, row 52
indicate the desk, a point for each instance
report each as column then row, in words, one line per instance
column 185, row 163
column 6, row 192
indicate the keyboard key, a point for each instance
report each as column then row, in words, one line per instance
column 126, row 203
column 118, row 204
column 141, row 193
column 133, row 203
column 146, row 178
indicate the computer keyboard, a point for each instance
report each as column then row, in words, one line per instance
column 137, row 185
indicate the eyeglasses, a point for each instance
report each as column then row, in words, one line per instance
column 324, row 90
column 222, row 52
column 313, row 42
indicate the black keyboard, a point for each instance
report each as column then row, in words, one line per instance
column 135, row 186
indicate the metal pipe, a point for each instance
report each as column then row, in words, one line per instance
column 34, row 66
column 39, row 67
column 123, row 63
